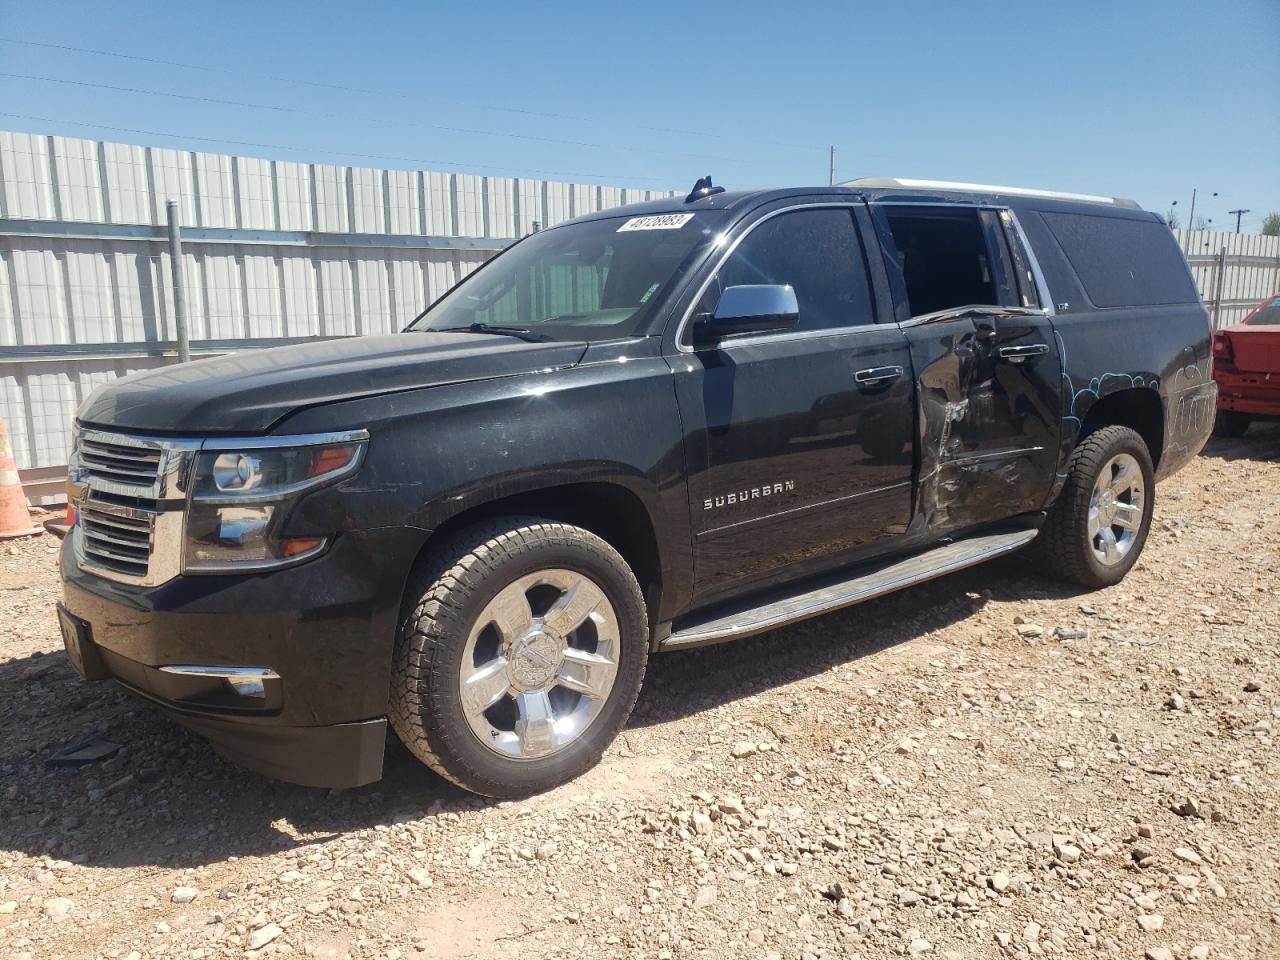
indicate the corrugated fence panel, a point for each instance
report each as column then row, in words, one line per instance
column 293, row 195
column 367, row 211
column 28, row 184
column 256, row 190
column 38, row 294
column 501, row 219
column 557, row 205
column 402, row 201
column 337, row 295
column 124, row 168
column 439, row 204
column 79, row 180
column 468, row 205
column 330, row 186
column 217, row 191
column 173, row 179
column 300, row 292
column 528, row 206
column 263, row 305
column 89, row 292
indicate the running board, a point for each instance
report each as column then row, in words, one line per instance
column 937, row 562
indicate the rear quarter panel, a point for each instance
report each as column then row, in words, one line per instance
column 1164, row 347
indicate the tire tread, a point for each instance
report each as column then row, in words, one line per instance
column 433, row 608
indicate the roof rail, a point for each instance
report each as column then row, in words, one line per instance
column 986, row 188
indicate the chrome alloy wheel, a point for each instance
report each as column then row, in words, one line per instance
column 1115, row 509
column 539, row 664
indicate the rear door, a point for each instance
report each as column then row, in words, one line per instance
column 797, row 443
column 986, row 359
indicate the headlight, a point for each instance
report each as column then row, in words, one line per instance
column 240, row 499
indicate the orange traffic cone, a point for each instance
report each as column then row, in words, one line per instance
column 15, row 518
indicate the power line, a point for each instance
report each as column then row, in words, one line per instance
column 417, row 161
column 339, row 116
column 347, row 88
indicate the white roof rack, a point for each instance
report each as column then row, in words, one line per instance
column 984, row 188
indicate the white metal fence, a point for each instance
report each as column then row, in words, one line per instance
column 1233, row 271
column 276, row 252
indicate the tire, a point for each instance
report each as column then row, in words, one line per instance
column 1228, row 423
column 1065, row 546
column 511, row 748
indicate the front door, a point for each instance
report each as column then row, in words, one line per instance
column 986, row 359
column 798, row 444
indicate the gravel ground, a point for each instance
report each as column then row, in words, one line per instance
column 987, row 765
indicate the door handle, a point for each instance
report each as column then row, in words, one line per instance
column 1023, row 350
column 877, row 374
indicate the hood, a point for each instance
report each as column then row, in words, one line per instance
column 249, row 392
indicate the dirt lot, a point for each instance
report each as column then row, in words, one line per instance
column 986, row 765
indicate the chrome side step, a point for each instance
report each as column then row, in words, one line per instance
column 937, row 562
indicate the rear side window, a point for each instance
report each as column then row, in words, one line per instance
column 818, row 253
column 1123, row 262
column 1267, row 315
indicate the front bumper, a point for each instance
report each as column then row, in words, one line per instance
column 319, row 634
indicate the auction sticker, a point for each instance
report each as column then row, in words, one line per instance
column 663, row 221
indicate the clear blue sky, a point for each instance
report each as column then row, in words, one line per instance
column 1142, row 98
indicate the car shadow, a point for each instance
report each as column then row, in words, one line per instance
column 166, row 799
column 1261, row 443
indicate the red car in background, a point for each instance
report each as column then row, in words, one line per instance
column 1246, row 366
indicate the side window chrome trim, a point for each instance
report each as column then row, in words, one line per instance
column 754, row 338
column 850, row 205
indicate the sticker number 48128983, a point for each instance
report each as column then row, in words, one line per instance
column 662, row 221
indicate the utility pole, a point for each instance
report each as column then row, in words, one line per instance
column 179, row 290
column 1191, row 217
column 1238, row 215
column 831, row 170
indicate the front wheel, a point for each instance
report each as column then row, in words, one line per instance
column 520, row 654
column 1096, row 530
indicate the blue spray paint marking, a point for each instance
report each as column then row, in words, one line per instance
column 1094, row 387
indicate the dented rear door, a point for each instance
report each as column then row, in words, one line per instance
column 989, row 388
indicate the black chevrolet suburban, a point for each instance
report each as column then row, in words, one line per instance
column 658, row 426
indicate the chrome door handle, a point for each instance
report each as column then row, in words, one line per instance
column 1022, row 351
column 877, row 374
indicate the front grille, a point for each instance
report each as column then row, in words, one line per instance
column 121, row 480
column 117, row 536
column 118, row 461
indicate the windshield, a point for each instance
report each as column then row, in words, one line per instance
column 597, row 280
column 1267, row 315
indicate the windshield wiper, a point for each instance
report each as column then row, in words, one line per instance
column 495, row 328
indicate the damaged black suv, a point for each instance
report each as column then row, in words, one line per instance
column 648, row 428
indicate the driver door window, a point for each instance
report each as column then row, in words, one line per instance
column 817, row 252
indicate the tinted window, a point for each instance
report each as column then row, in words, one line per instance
column 943, row 256
column 1268, row 315
column 1123, row 262
column 816, row 251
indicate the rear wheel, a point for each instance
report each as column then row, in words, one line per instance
column 519, row 657
column 1096, row 530
column 1228, row 423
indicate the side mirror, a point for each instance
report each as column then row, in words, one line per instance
column 750, row 308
